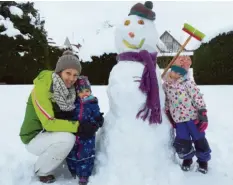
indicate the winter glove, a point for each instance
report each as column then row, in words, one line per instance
column 202, row 121
column 86, row 130
column 100, row 120
column 168, row 114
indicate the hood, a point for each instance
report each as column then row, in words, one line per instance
column 44, row 79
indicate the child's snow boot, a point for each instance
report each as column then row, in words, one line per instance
column 203, row 167
column 47, row 179
column 83, row 180
column 73, row 175
column 186, row 164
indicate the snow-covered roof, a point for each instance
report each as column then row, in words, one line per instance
column 68, row 45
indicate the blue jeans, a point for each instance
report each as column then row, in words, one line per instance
column 187, row 133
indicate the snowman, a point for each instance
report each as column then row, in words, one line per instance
column 134, row 145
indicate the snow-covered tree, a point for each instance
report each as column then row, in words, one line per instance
column 24, row 47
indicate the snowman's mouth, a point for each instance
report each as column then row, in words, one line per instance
column 132, row 46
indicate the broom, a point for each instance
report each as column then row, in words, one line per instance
column 193, row 32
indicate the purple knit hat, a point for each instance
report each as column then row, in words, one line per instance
column 82, row 83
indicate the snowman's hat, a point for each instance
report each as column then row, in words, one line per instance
column 144, row 11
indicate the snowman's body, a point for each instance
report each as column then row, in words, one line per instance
column 124, row 88
column 131, row 150
column 121, row 85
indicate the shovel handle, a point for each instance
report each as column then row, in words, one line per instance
column 176, row 56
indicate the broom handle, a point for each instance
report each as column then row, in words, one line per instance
column 174, row 58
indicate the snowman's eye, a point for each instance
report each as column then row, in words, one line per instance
column 140, row 22
column 127, row 22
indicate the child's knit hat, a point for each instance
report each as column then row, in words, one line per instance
column 82, row 83
column 181, row 65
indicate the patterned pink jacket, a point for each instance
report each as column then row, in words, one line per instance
column 183, row 99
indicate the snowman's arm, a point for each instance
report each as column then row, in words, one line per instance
column 195, row 94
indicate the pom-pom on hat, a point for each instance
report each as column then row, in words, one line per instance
column 143, row 10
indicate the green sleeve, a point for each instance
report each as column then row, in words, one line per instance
column 44, row 110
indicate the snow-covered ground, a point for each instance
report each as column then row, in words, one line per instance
column 16, row 164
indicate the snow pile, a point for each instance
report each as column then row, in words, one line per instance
column 16, row 11
column 16, row 164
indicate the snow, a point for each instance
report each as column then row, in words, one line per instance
column 122, row 129
column 217, row 32
column 125, row 135
column 186, row 53
column 1, row 17
column 162, row 46
column 16, row 11
column 33, row 19
column 11, row 31
column 98, row 43
column 22, row 53
column 16, row 164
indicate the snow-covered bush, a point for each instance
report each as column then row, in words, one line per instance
column 213, row 61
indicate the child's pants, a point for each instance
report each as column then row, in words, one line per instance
column 81, row 159
column 186, row 134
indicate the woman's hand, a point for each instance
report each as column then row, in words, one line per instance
column 86, row 130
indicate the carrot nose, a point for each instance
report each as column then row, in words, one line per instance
column 131, row 34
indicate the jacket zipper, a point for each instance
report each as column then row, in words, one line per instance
column 81, row 110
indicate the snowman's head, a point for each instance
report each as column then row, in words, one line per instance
column 137, row 31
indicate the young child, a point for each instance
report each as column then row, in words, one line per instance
column 80, row 160
column 186, row 109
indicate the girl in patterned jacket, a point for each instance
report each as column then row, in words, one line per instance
column 186, row 110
